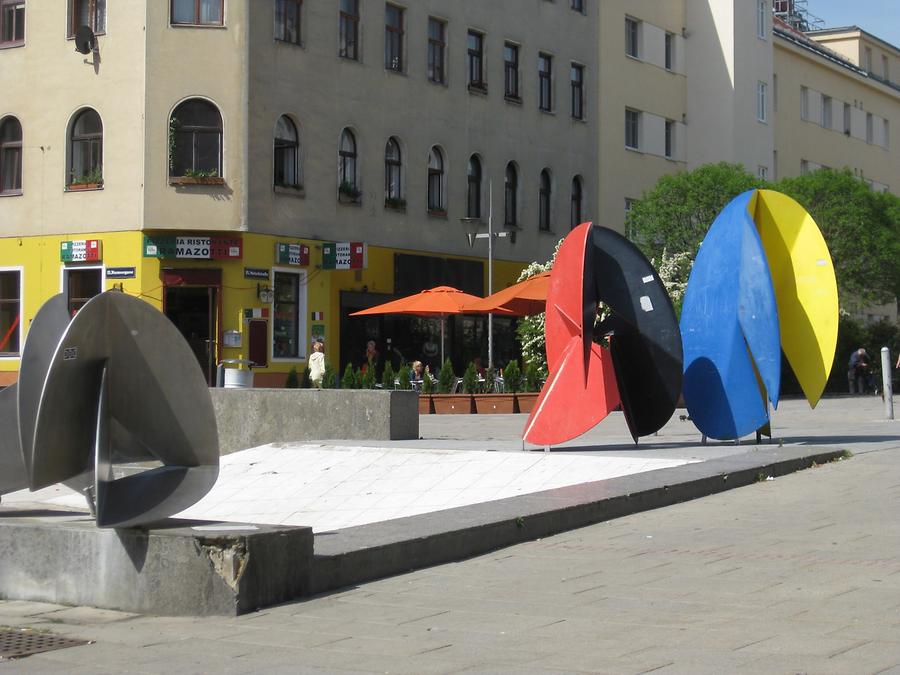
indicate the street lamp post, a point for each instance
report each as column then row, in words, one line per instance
column 471, row 227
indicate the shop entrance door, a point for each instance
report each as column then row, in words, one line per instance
column 194, row 310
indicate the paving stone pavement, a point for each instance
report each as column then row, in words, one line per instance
column 800, row 574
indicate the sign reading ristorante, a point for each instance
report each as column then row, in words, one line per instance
column 206, row 248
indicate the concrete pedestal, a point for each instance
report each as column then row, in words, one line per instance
column 175, row 568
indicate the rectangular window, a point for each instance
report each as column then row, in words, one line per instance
column 436, row 47
column 762, row 18
column 577, row 80
column 475, row 43
column 761, row 103
column 870, row 128
column 885, row 67
column 545, row 82
column 393, row 38
column 847, row 118
column 670, row 51
column 826, row 111
column 91, row 13
column 804, row 167
column 198, row 12
column 670, row 138
column 762, row 172
column 349, row 30
column 631, row 37
column 511, row 70
column 887, row 134
column 10, row 312
column 578, row 5
column 804, row 103
column 867, row 59
column 12, row 22
column 287, row 337
column 632, row 129
column 80, row 284
column 287, row 20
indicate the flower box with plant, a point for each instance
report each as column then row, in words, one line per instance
column 444, row 401
column 512, row 382
column 92, row 180
column 527, row 399
column 487, row 400
column 395, row 203
column 348, row 193
column 197, row 177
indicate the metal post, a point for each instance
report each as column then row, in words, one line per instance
column 490, row 271
column 887, row 386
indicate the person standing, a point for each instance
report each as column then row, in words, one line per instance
column 317, row 364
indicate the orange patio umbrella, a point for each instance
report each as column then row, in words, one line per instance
column 522, row 299
column 436, row 302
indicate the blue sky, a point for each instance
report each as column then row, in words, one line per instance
column 879, row 17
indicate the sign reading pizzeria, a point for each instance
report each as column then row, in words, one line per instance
column 80, row 250
column 203, row 248
column 292, row 254
column 344, row 255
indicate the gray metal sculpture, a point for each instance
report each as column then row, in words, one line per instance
column 117, row 384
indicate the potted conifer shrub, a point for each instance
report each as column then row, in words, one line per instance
column 445, row 401
column 527, row 399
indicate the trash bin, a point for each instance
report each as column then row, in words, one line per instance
column 239, row 377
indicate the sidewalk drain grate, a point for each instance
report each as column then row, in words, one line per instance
column 15, row 644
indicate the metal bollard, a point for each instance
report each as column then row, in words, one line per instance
column 887, row 387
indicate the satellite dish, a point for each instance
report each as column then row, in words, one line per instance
column 84, row 39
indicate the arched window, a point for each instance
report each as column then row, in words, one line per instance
column 544, row 202
column 347, row 165
column 287, row 151
column 195, row 142
column 10, row 156
column 435, row 180
column 511, row 195
column 473, row 194
column 392, row 166
column 86, row 149
column 577, row 203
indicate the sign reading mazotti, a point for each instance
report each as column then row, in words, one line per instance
column 344, row 255
column 205, row 248
column 291, row 254
column 120, row 273
column 80, row 250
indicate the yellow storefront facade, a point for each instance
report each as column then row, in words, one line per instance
column 242, row 297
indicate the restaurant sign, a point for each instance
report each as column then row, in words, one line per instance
column 291, row 254
column 352, row 255
column 203, row 248
column 80, row 250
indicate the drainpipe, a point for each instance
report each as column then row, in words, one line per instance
column 245, row 135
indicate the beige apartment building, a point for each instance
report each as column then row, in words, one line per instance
column 258, row 169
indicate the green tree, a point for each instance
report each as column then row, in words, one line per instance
column 675, row 215
column 348, row 381
column 403, row 378
column 329, row 379
column 387, row 377
column 512, row 377
column 293, row 380
column 470, row 379
column 446, row 378
column 861, row 228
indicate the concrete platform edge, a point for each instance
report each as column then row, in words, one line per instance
column 355, row 555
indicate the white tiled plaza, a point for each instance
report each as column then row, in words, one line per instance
column 332, row 487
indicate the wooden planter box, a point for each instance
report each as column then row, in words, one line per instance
column 75, row 187
column 525, row 401
column 426, row 405
column 452, row 404
column 494, row 403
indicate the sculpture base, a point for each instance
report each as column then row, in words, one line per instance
column 176, row 567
